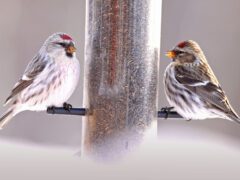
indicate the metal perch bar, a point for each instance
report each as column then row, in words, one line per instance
column 72, row 111
column 83, row 112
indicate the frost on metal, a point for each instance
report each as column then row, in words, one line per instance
column 122, row 57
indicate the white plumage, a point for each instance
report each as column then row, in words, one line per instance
column 49, row 79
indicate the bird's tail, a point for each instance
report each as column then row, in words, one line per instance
column 234, row 117
column 7, row 116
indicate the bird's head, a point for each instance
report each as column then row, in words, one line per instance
column 60, row 43
column 186, row 52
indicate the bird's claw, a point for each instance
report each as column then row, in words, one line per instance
column 167, row 110
column 67, row 106
column 51, row 109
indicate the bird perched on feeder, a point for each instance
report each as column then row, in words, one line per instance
column 49, row 79
column 191, row 86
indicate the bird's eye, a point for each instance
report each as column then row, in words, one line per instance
column 62, row 44
column 180, row 52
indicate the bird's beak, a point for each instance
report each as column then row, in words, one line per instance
column 170, row 54
column 71, row 49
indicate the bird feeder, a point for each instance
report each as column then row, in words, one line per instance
column 121, row 74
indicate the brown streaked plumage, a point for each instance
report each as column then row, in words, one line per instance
column 31, row 72
column 191, row 86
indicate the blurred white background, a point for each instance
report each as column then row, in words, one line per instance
column 41, row 146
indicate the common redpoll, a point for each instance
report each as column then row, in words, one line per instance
column 49, row 79
column 191, row 86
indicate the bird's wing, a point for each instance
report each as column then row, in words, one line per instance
column 34, row 68
column 203, row 83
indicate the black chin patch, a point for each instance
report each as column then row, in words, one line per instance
column 69, row 55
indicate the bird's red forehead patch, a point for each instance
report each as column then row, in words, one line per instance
column 65, row 37
column 182, row 44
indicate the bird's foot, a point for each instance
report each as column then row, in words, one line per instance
column 188, row 120
column 67, row 106
column 51, row 109
column 167, row 110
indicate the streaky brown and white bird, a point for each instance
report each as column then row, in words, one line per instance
column 49, row 79
column 191, row 86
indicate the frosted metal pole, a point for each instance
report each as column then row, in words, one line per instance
column 121, row 74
